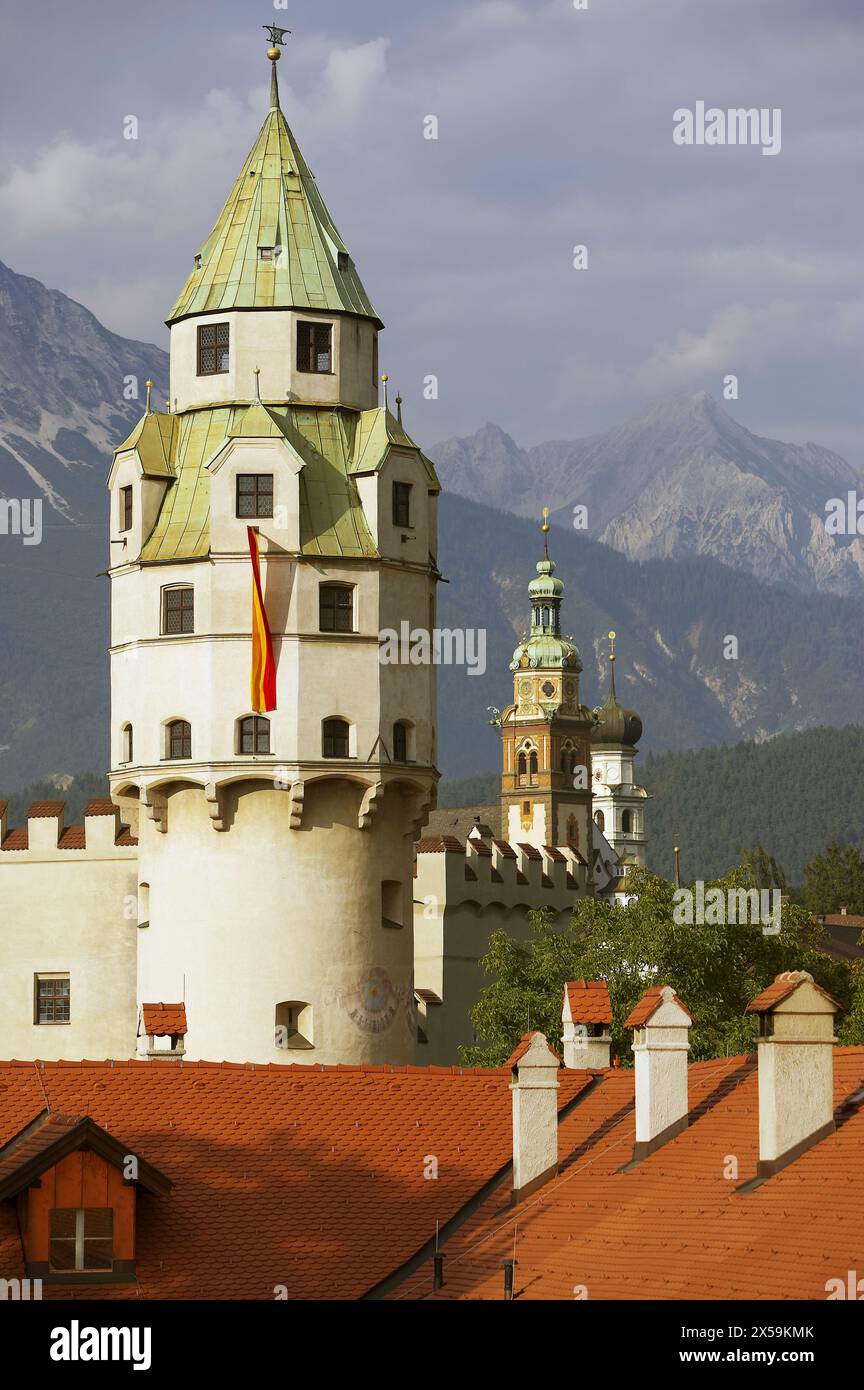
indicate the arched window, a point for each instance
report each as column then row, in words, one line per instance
column 573, row 832
column 521, row 769
column 545, row 617
column 400, row 743
column 532, row 766
column 335, row 608
column 126, row 743
column 335, row 738
column 179, row 739
column 626, row 822
column 599, row 820
column 253, row 734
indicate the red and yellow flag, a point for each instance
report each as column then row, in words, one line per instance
column 263, row 665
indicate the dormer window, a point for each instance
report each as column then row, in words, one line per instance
column 315, row 347
column 266, row 253
column 401, row 504
column 213, row 348
column 81, row 1240
column 198, row 261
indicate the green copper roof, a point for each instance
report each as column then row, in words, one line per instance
column 332, row 521
column 274, row 203
column 546, row 649
column 154, row 440
column 377, row 432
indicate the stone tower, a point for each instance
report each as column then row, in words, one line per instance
column 275, row 860
column 545, row 733
column 619, row 801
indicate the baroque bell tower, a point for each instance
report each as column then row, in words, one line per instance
column 545, row 733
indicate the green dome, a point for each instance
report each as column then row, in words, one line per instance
column 545, row 648
column 546, row 586
column 546, row 651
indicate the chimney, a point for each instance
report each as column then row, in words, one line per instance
column 534, row 1065
column 661, row 1024
column 796, row 1068
column 586, row 1015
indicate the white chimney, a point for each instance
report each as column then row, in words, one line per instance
column 535, row 1114
column 661, row 1025
column 796, row 1068
column 586, row 1014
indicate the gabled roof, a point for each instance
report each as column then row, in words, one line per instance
column 164, row 1020
column 524, row 1045
column 50, row 1137
column 377, row 433
column 154, row 440
column 782, row 987
column 589, row 1001
column 649, row 1004
column 274, row 203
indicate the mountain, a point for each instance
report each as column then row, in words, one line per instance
column 800, row 662
column 62, row 411
column 792, row 795
column 683, row 478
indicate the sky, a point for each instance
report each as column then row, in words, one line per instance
column 555, row 130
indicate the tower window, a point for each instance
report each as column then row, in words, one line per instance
column 599, row 820
column 178, row 610
column 51, row 999
column 532, row 767
column 626, row 821
column 254, row 735
column 214, row 353
column 335, row 739
column 254, row 494
column 335, row 608
column 573, row 832
column 179, row 739
column 125, row 509
column 522, row 769
column 293, row 1024
column 401, row 504
column 315, row 347
column 400, row 743
column 81, row 1239
column 126, row 743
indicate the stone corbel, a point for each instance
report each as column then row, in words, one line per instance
column 298, row 791
column 214, row 805
column 156, row 806
column 369, row 805
column 421, row 803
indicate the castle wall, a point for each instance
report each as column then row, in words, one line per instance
column 68, row 911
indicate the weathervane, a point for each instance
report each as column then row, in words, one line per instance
column 612, row 636
column 276, row 35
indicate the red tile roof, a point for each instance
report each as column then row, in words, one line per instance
column 555, row 854
column 676, row 1226
column 648, row 1006
column 530, row 851
column 15, row 839
column 784, row 985
column 100, row 806
column 50, row 1137
column 45, row 809
column 506, row 851
column 72, row 838
column 164, row 1019
column 589, row 1001
column 522, row 1047
column 435, row 844
column 312, row 1178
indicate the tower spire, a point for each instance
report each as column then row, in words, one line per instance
column 545, row 533
column 277, row 42
column 612, row 636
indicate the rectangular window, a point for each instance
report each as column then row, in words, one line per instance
column 254, row 494
column 178, row 611
column 52, row 999
column 314, row 347
column 213, row 348
column 335, row 608
column 125, row 509
column 255, row 735
column 81, row 1240
column 401, row 504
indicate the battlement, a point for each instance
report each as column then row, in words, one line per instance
column 46, row 835
column 485, row 870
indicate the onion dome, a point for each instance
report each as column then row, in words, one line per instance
column 545, row 648
column 615, row 724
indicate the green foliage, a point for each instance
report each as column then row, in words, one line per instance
column 716, row 969
column 834, row 880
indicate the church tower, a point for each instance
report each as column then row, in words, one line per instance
column 619, row 802
column 545, row 733
column 275, row 861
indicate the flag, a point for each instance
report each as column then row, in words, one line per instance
column 263, row 665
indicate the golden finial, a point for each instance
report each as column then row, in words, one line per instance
column 149, row 384
column 277, row 42
column 612, row 636
column 385, row 378
column 545, row 529
column 257, row 371
column 168, row 406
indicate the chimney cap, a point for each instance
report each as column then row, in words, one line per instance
column 525, row 1045
column 649, row 1004
column 588, row 1002
column 784, row 985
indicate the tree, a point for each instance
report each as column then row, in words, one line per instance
column 716, row 970
column 763, row 869
column 835, row 880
